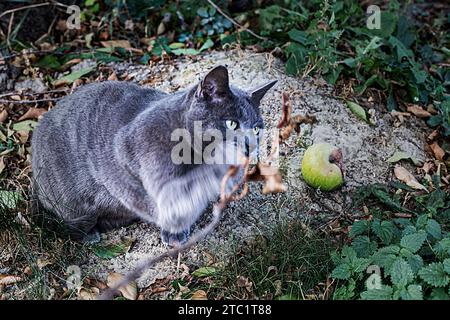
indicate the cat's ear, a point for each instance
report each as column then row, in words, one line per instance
column 215, row 85
column 257, row 94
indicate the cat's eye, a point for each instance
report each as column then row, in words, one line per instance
column 256, row 130
column 231, row 124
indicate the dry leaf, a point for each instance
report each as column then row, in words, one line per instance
column 439, row 153
column 433, row 135
column 406, row 177
column 6, row 280
column 244, row 282
column 15, row 97
column 42, row 263
column 199, row 295
column 129, row 291
column 89, row 294
column 116, row 44
column 2, row 164
column 33, row 113
column 418, row 111
column 3, row 116
column 23, row 136
column 271, row 177
column 112, row 77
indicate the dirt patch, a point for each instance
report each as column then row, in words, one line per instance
column 365, row 148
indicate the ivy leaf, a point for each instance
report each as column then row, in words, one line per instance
column 401, row 273
column 434, row 274
column 413, row 242
column 385, row 293
column 413, row 292
column 363, row 246
column 359, row 227
column 434, row 229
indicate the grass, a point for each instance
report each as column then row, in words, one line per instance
column 36, row 255
column 291, row 262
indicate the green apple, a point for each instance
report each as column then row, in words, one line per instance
column 322, row 167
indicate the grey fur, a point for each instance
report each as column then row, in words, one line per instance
column 101, row 157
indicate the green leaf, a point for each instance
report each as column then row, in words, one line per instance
column 401, row 273
column 434, row 274
column 388, row 24
column 49, row 62
column 345, row 292
column 385, row 293
column 446, row 264
column 434, row 229
column 439, row 294
column 416, row 262
column 384, row 230
column 359, row 227
column 297, row 35
column 341, row 272
column 112, row 250
column 186, row 52
column 72, row 77
column 413, row 292
column 9, row 199
column 442, row 248
column 208, row 44
column 203, row 12
column 360, row 265
column 26, row 125
column 357, row 110
column 363, row 246
column 413, row 242
column 402, row 51
column 400, row 155
column 204, row 272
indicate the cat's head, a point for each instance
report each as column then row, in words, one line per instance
column 232, row 111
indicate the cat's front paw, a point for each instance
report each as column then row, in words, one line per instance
column 174, row 239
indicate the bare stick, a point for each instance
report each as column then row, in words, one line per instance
column 234, row 21
column 32, row 93
column 28, row 101
column 25, row 7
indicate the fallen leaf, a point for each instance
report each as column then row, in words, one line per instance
column 112, row 77
column 357, row 110
column 23, row 136
column 438, row 152
column 15, row 97
column 2, row 164
column 73, row 76
column 26, row 125
column 89, row 294
column 406, row 177
column 204, row 272
column 116, row 44
column 33, row 113
column 3, row 116
column 271, row 177
column 42, row 263
column 6, row 280
column 112, row 250
column 243, row 282
column 433, row 135
column 129, row 291
column 400, row 155
column 418, row 111
column 199, row 295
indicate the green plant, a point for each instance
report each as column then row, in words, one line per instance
column 413, row 254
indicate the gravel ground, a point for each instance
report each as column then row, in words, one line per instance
column 365, row 149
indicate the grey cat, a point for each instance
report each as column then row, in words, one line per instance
column 102, row 156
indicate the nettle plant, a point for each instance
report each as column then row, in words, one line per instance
column 400, row 258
